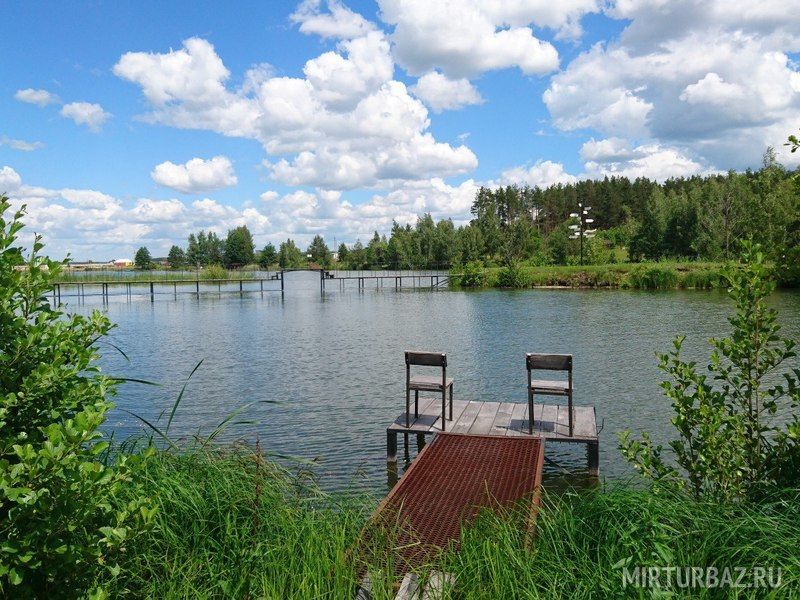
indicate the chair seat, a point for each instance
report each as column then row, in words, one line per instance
column 545, row 386
column 428, row 383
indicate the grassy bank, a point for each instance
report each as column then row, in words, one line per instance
column 208, row 273
column 229, row 525
column 645, row 276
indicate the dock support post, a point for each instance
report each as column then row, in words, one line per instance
column 175, row 289
column 152, row 293
column 593, row 458
column 391, row 446
column 322, row 281
column 281, row 282
column 197, row 288
column 240, row 288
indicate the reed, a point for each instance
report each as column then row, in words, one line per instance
column 232, row 524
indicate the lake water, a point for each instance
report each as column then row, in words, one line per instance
column 326, row 373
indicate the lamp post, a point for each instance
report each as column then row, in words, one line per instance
column 579, row 228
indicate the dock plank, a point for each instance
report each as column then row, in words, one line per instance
column 585, row 422
column 458, row 408
column 502, row 419
column 518, row 419
column 562, row 420
column 423, row 423
column 467, row 417
column 483, row 422
column 546, row 423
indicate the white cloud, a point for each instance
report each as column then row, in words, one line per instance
column 21, row 145
column 86, row 113
column 607, row 150
column 464, row 38
column 441, row 93
column 346, row 124
column 90, row 224
column 710, row 79
column 38, row 97
column 339, row 22
column 543, row 173
column 616, row 157
column 9, row 180
column 269, row 195
column 196, row 175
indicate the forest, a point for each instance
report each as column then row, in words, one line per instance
column 700, row 218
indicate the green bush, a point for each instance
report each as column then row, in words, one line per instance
column 60, row 525
column 513, row 276
column 729, row 444
column 473, row 276
column 214, row 272
column 652, row 277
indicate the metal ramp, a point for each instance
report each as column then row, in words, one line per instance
column 451, row 480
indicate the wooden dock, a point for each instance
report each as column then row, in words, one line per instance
column 551, row 422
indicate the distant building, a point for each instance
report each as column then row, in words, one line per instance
column 121, row 263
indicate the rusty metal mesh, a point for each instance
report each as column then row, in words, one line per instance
column 450, row 481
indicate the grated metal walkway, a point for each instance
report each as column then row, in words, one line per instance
column 453, row 477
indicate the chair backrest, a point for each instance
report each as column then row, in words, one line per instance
column 549, row 362
column 426, row 359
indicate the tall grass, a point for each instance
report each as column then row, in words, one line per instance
column 233, row 525
column 646, row 276
column 583, row 542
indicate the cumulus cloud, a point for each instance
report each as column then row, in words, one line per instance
column 94, row 225
column 86, row 113
column 338, row 22
column 21, row 145
column 196, row 175
column 345, row 124
column 616, row 157
column 269, row 195
column 38, row 97
column 713, row 79
column 464, row 38
column 542, row 174
column 90, row 224
column 441, row 93
column 9, row 180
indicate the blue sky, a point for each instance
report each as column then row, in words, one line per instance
column 117, row 132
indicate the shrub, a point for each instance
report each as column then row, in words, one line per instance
column 214, row 272
column 59, row 526
column 652, row 278
column 474, row 275
column 727, row 447
column 512, row 276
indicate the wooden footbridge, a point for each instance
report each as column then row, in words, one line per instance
column 263, row 282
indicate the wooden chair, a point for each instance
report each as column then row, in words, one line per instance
column 427, row 383
column 546, row 387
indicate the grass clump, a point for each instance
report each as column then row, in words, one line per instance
column 231, row 524
column 651, row 277
column 584, row 541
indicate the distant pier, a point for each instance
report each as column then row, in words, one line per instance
column 124, row 287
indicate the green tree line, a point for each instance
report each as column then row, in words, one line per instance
column 686, row 218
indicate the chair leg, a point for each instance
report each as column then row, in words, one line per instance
column 451, row 402
column 416, row 404
column 444, row 406
column 530, row 412
column 571, row 417
column 408, row 407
